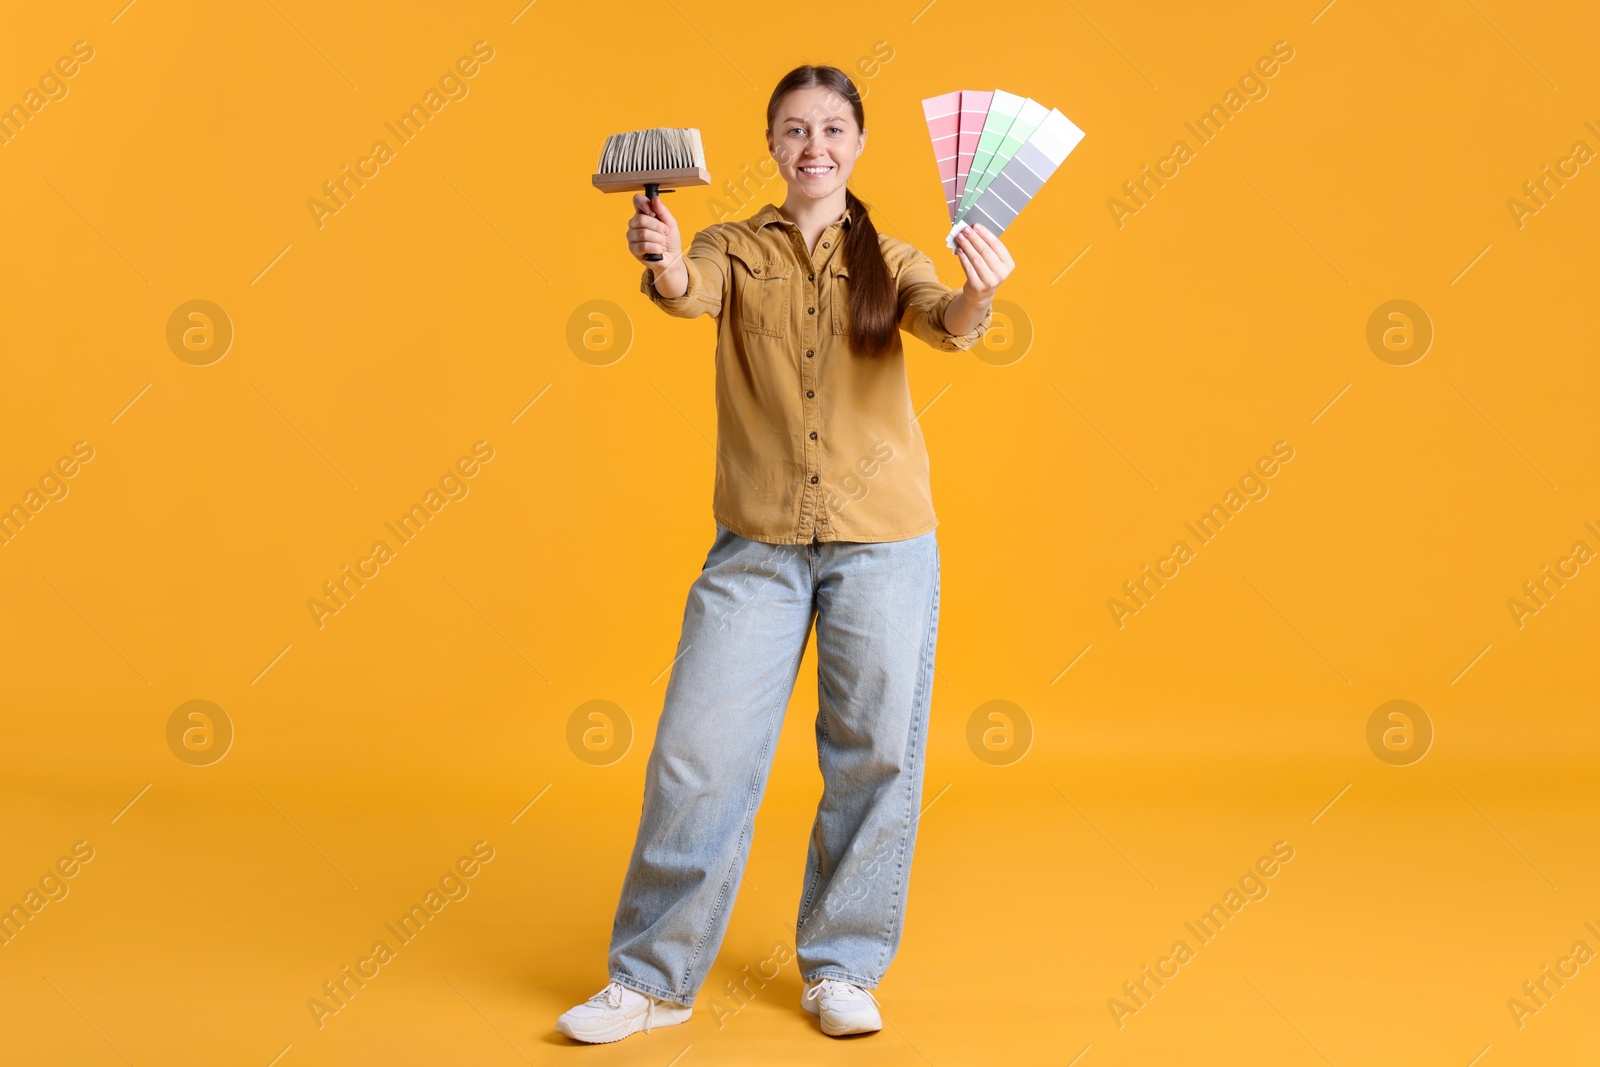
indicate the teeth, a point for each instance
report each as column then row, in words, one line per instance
column 816, row 170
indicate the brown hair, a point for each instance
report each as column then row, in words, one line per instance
column 873, row 304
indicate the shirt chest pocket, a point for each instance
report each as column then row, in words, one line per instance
column 839, row 295
column 760, row 291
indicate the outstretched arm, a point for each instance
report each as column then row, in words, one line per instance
column 987, row 264
column 683, row 285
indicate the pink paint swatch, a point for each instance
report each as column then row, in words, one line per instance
column 944, row 126
column 974, row 108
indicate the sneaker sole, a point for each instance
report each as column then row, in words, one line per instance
column 858, row 1025
column 853, row 1027
column 606, row 1037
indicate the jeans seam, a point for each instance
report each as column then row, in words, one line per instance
column 806, row 898
column 822, row 726
column 914, row 775
column 816, row 828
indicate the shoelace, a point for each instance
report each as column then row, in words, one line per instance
column 612, row 995
column 837, row 986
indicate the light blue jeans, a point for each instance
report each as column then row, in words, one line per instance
column 745, row 628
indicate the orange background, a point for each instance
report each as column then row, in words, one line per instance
column 433, row 309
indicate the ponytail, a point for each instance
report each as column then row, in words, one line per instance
column 874, row 318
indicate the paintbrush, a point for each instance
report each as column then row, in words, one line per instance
column 660, row 159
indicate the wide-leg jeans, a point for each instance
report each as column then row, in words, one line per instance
column 748, row 619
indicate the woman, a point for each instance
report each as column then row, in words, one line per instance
column 823, row 514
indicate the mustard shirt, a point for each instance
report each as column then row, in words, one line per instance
column 813, row 441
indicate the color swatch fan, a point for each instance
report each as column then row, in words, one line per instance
column 995, row 150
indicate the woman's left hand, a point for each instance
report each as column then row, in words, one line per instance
column 985, row 260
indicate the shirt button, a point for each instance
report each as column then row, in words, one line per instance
column 811, row 277
column 811, row 351
column 813, row 435
column 755, row 270
column 824, row 244
column 810, row 393
column 813, row 479
column 811, row 311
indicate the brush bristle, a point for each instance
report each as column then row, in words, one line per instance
column 661, row 148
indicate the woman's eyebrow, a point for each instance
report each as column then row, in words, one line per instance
column 830, row 118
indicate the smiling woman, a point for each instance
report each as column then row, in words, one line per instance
column 812, row 396
column 746, row 188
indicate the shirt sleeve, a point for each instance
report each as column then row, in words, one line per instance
column 923, row 299
column 706, row 261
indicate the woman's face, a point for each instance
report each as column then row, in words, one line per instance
column 815, row 141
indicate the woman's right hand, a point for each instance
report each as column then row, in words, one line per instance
column 653, row 229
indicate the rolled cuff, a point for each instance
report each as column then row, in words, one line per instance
column 955, row 342
column 690, row 304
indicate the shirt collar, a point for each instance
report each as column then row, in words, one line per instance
column 770, row 214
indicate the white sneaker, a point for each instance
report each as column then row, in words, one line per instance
column 844, row 1008
column 617, row 1011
